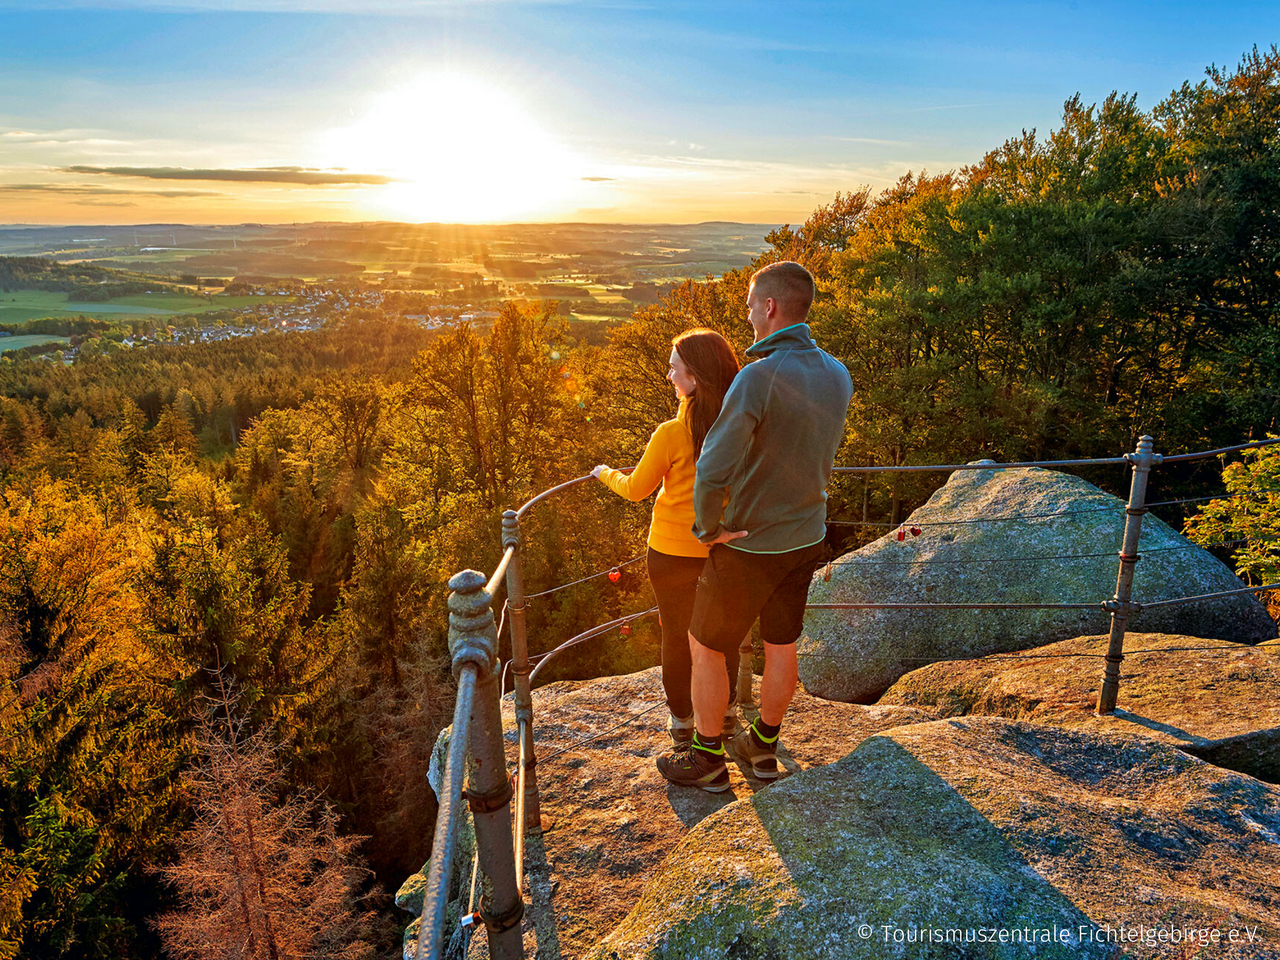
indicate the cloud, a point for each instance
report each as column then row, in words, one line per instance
column 304, row 176
column 599, row 179
column 52, row 136
column 63, row 138
column 83, row 190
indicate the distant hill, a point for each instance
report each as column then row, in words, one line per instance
column 38, row 273
column 87, row 281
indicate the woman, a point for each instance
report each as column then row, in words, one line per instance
column 703, row 366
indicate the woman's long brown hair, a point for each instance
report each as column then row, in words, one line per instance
column 713, row 365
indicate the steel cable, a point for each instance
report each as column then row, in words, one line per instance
column 574, row 583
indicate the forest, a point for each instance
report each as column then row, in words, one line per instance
column 222, row 601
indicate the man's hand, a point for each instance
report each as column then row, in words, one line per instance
column 598, row 469
column 724, row 536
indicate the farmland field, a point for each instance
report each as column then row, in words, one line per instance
column 603, row 294
column 19, row 343
column 594, row 317
column 22, row 305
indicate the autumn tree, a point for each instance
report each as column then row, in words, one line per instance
column 263, row 873
column 1247, row 519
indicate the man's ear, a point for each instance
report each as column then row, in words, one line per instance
column 771, row 308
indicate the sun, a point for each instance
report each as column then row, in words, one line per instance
column 459, row 150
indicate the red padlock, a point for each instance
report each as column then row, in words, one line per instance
column 902, row 534
column 615, row 575
column 915, row 531
column 626, row 629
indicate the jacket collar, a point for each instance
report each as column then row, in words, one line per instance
column 794, row 337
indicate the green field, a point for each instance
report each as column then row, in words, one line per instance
column 22, row 305
column 19, row 343
column 603, row 294
column 595, row 317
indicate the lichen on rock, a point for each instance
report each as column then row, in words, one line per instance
column 1217, row 700
column 612, row 820
column 1006, row 536
column 974, row 824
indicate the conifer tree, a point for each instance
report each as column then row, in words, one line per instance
column 259, row 877
column 88, row 758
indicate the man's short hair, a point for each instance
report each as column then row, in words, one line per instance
column 788, row 283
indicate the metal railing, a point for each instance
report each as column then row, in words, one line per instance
column 477, row 721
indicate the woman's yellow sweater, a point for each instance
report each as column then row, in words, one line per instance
column 669, row 461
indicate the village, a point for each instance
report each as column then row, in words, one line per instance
column 310, row 306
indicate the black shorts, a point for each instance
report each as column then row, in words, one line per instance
column 736, row 587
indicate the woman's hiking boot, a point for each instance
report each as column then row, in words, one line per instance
column 681, row 730
column 750, row 746
column 730, row 721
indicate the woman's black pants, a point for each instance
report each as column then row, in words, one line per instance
column 675, row 584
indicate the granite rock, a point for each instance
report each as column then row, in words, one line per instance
column 1007, row 536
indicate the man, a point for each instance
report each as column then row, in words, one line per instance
column 771, row 450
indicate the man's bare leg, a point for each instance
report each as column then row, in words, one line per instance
column 777, row 686
column 709, row 688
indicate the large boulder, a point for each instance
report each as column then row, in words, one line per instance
column 976, row 838
column 1217, row 700
column 1005, row 536
column 611, row 819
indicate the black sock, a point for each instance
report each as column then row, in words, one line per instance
column 767, row 731
column 709, row 744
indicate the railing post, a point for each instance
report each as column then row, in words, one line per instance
column 473, row 639
column 1121, row 607
column 520, row 668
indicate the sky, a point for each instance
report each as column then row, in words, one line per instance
column 231, row 111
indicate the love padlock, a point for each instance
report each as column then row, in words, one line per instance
column 615, row 575
column 626, row 629
column 902, row 534
column 915, row 531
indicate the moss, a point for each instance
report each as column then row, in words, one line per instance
column 950, row 824
column 856, row 655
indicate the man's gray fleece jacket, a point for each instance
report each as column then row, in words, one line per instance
column 773, row 446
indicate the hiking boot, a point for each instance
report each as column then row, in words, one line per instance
column 730, row 722
column 681, row 731
column 749, row 747
column 695, row 767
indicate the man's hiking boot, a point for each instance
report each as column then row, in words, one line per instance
column 750, row 747
column 681, row 731
column 695, row 767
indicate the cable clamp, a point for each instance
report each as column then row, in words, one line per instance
column 489, row 802
column 500, row 923
column 1122, row 608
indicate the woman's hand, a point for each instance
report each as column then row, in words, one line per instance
column 598, row 469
